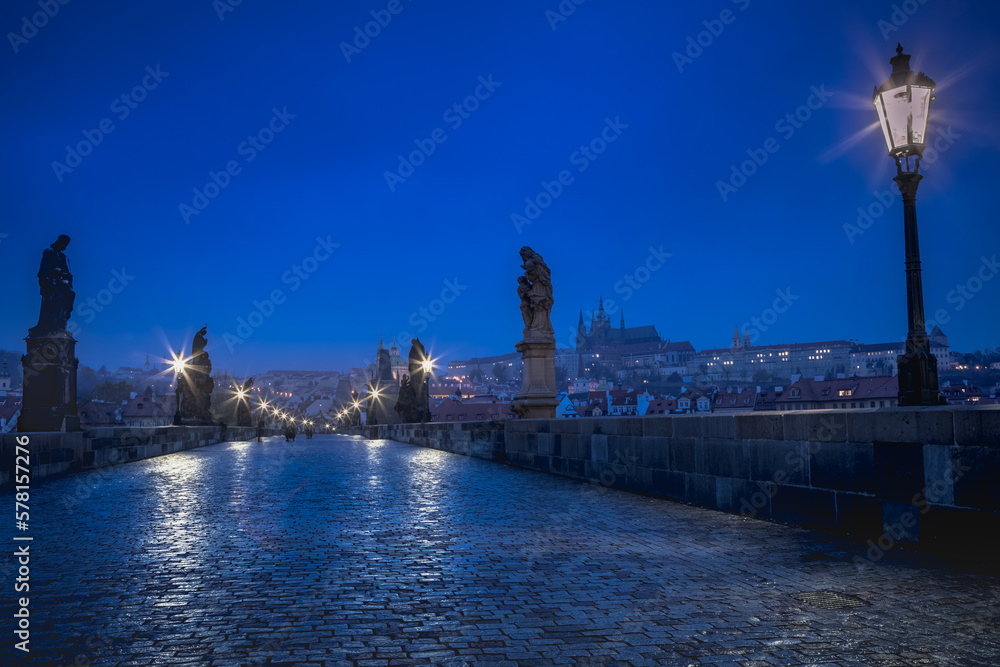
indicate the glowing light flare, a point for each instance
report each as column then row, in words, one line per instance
column 178, row 363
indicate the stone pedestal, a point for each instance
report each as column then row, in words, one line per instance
column 537, row 398
column 49, row 383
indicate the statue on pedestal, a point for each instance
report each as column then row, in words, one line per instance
column 196, row 384
column 50, row 363
column 537, row 398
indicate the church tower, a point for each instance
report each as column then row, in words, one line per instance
column 622, row 325
column 746, row 337
column 581, row 333
column 602, row 327
column 737, row 341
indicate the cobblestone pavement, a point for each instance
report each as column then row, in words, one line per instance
column 338, row 550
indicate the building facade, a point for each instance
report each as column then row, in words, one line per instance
column 743, row 362
column 880, row 358
column 857, row 393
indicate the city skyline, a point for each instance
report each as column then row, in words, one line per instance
column 626, row 150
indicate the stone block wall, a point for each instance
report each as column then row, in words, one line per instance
column 928, row 476
column 484, row 440
column 54, row 454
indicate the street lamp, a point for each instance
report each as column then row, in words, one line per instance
column 903, row 104
column 178, row 364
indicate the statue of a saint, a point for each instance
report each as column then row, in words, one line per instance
column 56, row 285
column 199, row 342
column 196, row 384
column 535, row 290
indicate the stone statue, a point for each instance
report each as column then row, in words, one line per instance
column 417, row 357
column 56, row 285
column 243, row 416
column 406, row 404
column 200, row 341
column 535, row 290
column 196, row 384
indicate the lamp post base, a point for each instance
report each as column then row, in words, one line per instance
column 918, row 376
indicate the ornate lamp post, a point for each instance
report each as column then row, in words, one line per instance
column 903, row 105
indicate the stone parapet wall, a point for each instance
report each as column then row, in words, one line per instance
column 904, row 475
column 484, row 440
column 54, row 454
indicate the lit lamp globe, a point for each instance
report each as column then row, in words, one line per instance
column 903, row 104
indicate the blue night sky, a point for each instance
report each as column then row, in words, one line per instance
column 445, row 231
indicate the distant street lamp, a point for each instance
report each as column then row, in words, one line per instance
column 903, row 104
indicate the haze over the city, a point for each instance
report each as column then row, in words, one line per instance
column 382, row 186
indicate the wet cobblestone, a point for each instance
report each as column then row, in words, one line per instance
column 342, row 551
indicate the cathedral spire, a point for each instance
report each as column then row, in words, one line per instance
column 622, row 325
column 381, row 345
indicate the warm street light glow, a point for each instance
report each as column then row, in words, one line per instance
column 178, row 363
column 903, row 104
